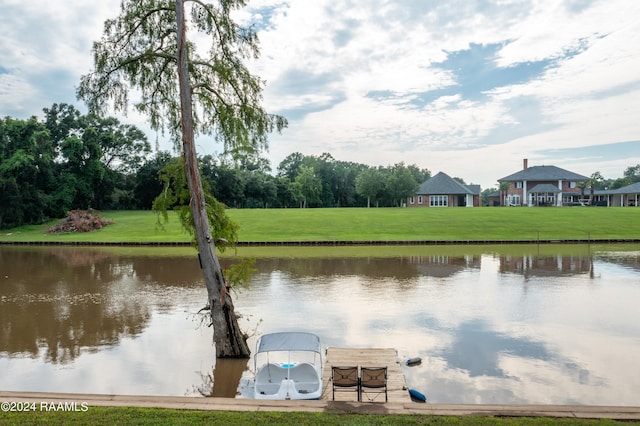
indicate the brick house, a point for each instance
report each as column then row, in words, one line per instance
column 627, row 196
column 442, row 190
column 542, row 186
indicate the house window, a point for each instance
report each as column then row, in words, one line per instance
column 419, row 199
column 573, row 184
column 513, row 200
column 438, row 200
column 519, row 185
column 411, row 200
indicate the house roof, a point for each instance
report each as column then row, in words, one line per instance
column 634, row 188
column 442, row 184
column 543, row 173
column 475, row 189
column 544, row 188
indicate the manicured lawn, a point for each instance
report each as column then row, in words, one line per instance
column 129, row 226
column 385, row 224
column 157, row 416
column 450, row 224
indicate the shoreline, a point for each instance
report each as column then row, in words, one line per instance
column 331, row 243
column 240, row 404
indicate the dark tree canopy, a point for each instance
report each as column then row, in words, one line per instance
column 66, row 161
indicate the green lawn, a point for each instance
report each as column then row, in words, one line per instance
column 157, row 416
column 129, row 226
column 453, row 224
column 361, row 224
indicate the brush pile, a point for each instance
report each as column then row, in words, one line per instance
column 80, row 221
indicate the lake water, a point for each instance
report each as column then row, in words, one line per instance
column 492, row 324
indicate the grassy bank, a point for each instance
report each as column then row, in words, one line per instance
column 157, row 416
column 451, row 224
column 389, row 224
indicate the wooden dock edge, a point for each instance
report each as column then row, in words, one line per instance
column 238, row 404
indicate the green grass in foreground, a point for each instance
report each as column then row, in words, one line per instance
column 153, row 416
column 361, row 224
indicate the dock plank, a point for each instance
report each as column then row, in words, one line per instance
column 367, row 357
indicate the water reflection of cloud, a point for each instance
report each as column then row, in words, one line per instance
column 167, row 359
column 481, row 351
column 484, row 336
column 451, row 387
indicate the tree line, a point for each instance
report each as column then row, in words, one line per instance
column 66, row 161
column 69, row 160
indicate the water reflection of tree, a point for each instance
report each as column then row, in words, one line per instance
column 398, row 268
column 65, row 301
column 78, row 258
column 225, row 379
column 63, row 326
column 629, row 260
column 547, row 266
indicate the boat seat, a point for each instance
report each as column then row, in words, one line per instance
column 268, row 388
column 269, row 379
column 271, row 376
column 305, row 377
column 271, row 373
column 303, row 372
column 307, row 387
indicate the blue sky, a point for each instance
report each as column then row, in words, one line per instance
column 466, row 87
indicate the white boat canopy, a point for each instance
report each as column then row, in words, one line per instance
column 289, row 341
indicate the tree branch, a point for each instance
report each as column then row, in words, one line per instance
column 230, row 81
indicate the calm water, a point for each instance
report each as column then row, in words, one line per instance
column 510, row 324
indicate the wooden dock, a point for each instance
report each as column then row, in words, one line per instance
column 366, row 357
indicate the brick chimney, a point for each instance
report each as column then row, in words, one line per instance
column 525, row 164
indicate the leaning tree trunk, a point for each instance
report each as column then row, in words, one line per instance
column 229, row 339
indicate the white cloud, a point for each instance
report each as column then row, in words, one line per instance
column 590, row 51
column 365, row 81
column 46, row 47
column 13, row 87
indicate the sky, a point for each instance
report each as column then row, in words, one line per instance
column 465, row 87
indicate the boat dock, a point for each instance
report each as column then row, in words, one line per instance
column 397, row 391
